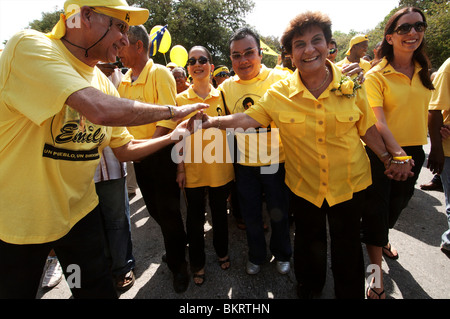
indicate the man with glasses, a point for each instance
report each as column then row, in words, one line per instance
column 253, row 183
column 220, row 74
column 156, row 174
column 52, row 130
column 358, row 47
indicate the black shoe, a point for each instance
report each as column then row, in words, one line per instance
column 180, row 282
column 304, row 292
column 164, row 258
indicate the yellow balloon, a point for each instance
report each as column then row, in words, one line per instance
column 179, row 55
column 164, row 43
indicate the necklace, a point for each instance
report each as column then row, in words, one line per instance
column 324, row 81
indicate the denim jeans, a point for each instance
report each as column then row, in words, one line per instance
column 83, row 246
column 115, row 210
column 253, row 187
column 445, row 178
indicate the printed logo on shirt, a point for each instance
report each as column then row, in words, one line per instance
column 70, row 155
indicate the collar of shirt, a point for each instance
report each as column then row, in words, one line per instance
column 263, row 74
column 387, row 69
column 141, row 79
column 191, row 95
column 296, row 85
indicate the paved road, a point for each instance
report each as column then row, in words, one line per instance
column 421, row 272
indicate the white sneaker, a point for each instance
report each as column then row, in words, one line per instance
column 252, row 269
column 52, row 273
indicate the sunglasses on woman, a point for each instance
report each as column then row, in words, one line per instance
column 201, row 60
column 405, row 28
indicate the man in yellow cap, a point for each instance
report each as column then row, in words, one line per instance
column 358, row 47
column 53, row 128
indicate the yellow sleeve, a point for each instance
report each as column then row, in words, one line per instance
column 374, row 91
column 167, row 91
column 440, row 97
column 39, row 88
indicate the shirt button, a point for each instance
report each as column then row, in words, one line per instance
column 320, row 140
column 350, row 118
column 324, row 184
column 324, row 170
column 320, row 122
column 319, row 106
column 292, row 120
column 322, row 156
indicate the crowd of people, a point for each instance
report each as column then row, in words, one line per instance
column 331, row 145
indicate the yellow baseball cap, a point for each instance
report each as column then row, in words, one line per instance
column 355, row 40
column 118, row 9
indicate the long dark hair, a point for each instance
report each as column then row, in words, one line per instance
column 419, row 55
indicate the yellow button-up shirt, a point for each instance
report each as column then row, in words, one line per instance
column 325, row 158
column 207, row 158
column 404, row 102
column 155, row 85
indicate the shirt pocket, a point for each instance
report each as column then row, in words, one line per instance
column 346, row 122
column 294, row 123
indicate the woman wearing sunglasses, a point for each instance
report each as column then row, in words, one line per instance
column 205, row 169
column 398, row 90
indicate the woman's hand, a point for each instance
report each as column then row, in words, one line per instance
column 352, row 69
column 399, row 172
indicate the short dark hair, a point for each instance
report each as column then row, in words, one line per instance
column 138, row 32
column 301, row 23
column 241, row 33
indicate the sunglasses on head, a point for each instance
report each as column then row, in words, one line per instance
column 201, row 60
column 222, row 74
column 332, row 51
column 404, row 28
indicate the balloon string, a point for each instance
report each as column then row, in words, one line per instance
column 165, row 58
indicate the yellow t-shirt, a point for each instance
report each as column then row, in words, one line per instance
column 155, row 85
column 440, row 98
column 365, row 65
column 325, row 158
column 404, row 102
column 207, row 158
column 48, row 152
column 264, row 147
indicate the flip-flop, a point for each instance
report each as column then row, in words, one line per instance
column 388, row 252
column 223, row 262
column 373, row 290
column 125, row 281
column 199, row 276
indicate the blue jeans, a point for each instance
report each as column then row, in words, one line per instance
column 445, row 178
column 251, row 187
column 115, row 211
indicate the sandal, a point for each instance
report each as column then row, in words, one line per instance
column 201, row 278
column 374, row 291
column 387, row 251
column 125, row 281
column 225, row 264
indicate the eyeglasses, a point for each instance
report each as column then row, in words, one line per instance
column 332, row 51
column 247, row 54
column 405, row 28
column 201, row 60
column 223, row 74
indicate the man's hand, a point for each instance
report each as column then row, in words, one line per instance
column 107, row 68
column 352, row 69
column 181, row 112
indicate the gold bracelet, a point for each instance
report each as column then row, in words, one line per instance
column 218, row 126
column 172, row 114
column 393, row 161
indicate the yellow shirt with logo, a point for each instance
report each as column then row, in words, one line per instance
column 325, row 159
column 404, row 102
column 440, row 98
column 207, row 158
column 365, row 65
column 48, row 151
column 155, row 85
column 257, row 148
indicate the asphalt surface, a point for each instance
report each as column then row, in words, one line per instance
column 421, row 272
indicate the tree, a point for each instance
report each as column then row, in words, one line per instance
column 47, row 22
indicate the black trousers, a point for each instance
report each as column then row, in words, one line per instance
column 310, row 245
column 80, row 253
column 156, row 177
column 195, row 222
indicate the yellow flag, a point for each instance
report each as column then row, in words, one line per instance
column 267, row 50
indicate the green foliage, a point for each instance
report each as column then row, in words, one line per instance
column 47, row 22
